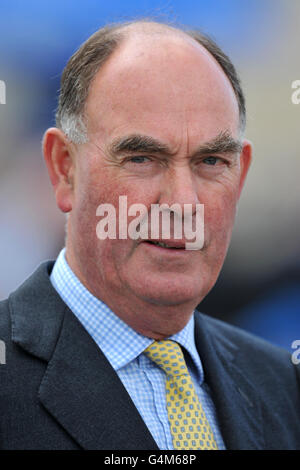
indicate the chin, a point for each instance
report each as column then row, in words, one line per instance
column 168, row 293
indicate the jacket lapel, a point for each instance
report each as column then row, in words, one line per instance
column 83, row 392
column 79, row 388
column 236, row 399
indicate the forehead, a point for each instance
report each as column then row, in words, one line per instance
column 164, row 85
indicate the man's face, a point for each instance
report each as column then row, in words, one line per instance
column 172, row 91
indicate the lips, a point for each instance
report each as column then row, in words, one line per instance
column 171, row 244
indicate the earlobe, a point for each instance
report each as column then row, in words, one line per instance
column 60, row 165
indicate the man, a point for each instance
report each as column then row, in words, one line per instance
column 155, row 114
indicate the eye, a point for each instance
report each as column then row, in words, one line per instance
column 139, row 159
column 211, row 160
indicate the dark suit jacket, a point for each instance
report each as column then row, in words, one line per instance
column 58, row 391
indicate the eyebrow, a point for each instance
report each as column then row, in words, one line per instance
column 222, row 143
column 138, row 143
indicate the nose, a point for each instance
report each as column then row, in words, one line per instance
column 179, row 186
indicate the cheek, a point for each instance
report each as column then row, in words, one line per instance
column 89, row 193
column 95, row 186
column 104, row 186
column 219, row 215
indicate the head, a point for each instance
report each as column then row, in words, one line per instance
column 156, row 114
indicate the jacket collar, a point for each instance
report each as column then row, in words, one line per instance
column 83, row 392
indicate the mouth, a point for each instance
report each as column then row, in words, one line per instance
column 169, row 245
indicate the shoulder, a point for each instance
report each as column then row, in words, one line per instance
column 30, row 319
column 30, row 313
column 239, row 337
column 259, row 357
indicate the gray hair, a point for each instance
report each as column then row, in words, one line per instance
column 84, row 64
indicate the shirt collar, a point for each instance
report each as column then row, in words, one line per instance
column 120, row 343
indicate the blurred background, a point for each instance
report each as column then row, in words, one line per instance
column 259, row 288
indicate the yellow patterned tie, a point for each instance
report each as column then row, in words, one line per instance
column 188, row 423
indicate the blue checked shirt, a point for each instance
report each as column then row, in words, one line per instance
column 123, row 348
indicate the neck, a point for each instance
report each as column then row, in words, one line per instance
column 157, row 320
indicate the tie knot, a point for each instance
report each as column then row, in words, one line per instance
column 168, row 356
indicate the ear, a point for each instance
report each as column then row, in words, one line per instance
column 61, row 166
column 245, row 160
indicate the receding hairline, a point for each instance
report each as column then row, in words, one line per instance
column 135, row 31
column 129, row 31
column 149, row 27
column 117, row 35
